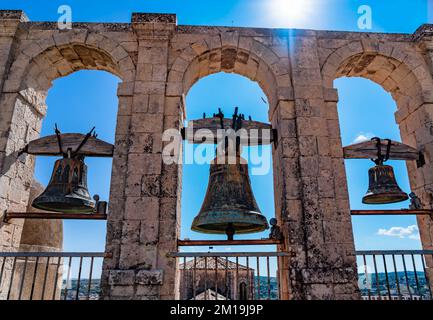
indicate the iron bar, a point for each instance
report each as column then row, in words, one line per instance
column 23, row 278
column 216, row 278
column 229, row 254
column 77, row 295
column 12, row 277
column 407, row 278
column 89, row 284
column 377, row 277
column 49, row 215
column 67, row 278
column 189, row 243
column 194, row 279
column 2, row 269
column 426, row 277
column 53, row 254
column 205, row 278
column 185, row 277
column 269, row 278
column 237, row 291
column 249, row 286
column 386, row 277
column 226, row 278
column 258, row 277
column 45, row 279
column 366, row 277
column 391, row 212
column 397, row 281
column 57, row 279
column 416, row 277
column 35, row 270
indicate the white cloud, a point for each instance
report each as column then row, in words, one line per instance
column 363, row 136
column 409, row 232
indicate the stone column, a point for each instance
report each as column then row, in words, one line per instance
column 314, row 202
column 143, row 224
column 415, row 121
column 21, row 113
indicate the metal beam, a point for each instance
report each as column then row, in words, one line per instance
column 53, row 215
column 391, row 212
column 227, row 242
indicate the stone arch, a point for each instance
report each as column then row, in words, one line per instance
column 398, row 69
column 401, row 70
column 39, row 64
column 247, row 57
column 30, row 76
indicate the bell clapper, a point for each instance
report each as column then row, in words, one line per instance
column 230, row 231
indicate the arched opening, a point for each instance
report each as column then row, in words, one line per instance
column 94, row 106
column 246, row 56
column 365, row 111
column 225, row 91
column 405, row 79
column 243, row 291
column 77, row 102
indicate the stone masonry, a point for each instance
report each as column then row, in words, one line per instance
column 158, row 62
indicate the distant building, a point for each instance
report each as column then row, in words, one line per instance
column 216, row 279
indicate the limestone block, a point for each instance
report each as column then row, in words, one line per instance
column 144, row 164
column 149, row 277
column 142, row 208
column 149, row 87
column 147, row 123
column 121, row 277
column 131, row 227
column 144, row 72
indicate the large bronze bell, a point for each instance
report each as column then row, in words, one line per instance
column 382, row 186
column 229, row 206
column 67, row 190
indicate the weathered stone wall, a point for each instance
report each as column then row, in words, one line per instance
column 158, row 62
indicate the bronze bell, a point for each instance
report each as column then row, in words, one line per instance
column 67, row 190
column 229, row 206
column 382, row 186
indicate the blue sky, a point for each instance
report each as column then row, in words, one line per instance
column 88, row 98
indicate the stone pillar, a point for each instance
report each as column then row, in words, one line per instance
column 144, row 203
column 416, row 127
column 20, row 121
column 314, row 201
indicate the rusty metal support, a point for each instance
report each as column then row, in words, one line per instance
column 228, row 242
column 392, row 212
column 53, row 215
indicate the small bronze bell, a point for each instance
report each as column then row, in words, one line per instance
column 67, row 190
column 229, row 206
column 382, row 186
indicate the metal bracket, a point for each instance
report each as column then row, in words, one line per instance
column 421, row 160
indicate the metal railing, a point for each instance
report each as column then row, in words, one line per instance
column 383, row 275
column 395, row 274
column 228, row 276
column 50, row 275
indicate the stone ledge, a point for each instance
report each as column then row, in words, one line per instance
column 423, row 31
column 153, row 18
column 13, row 15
